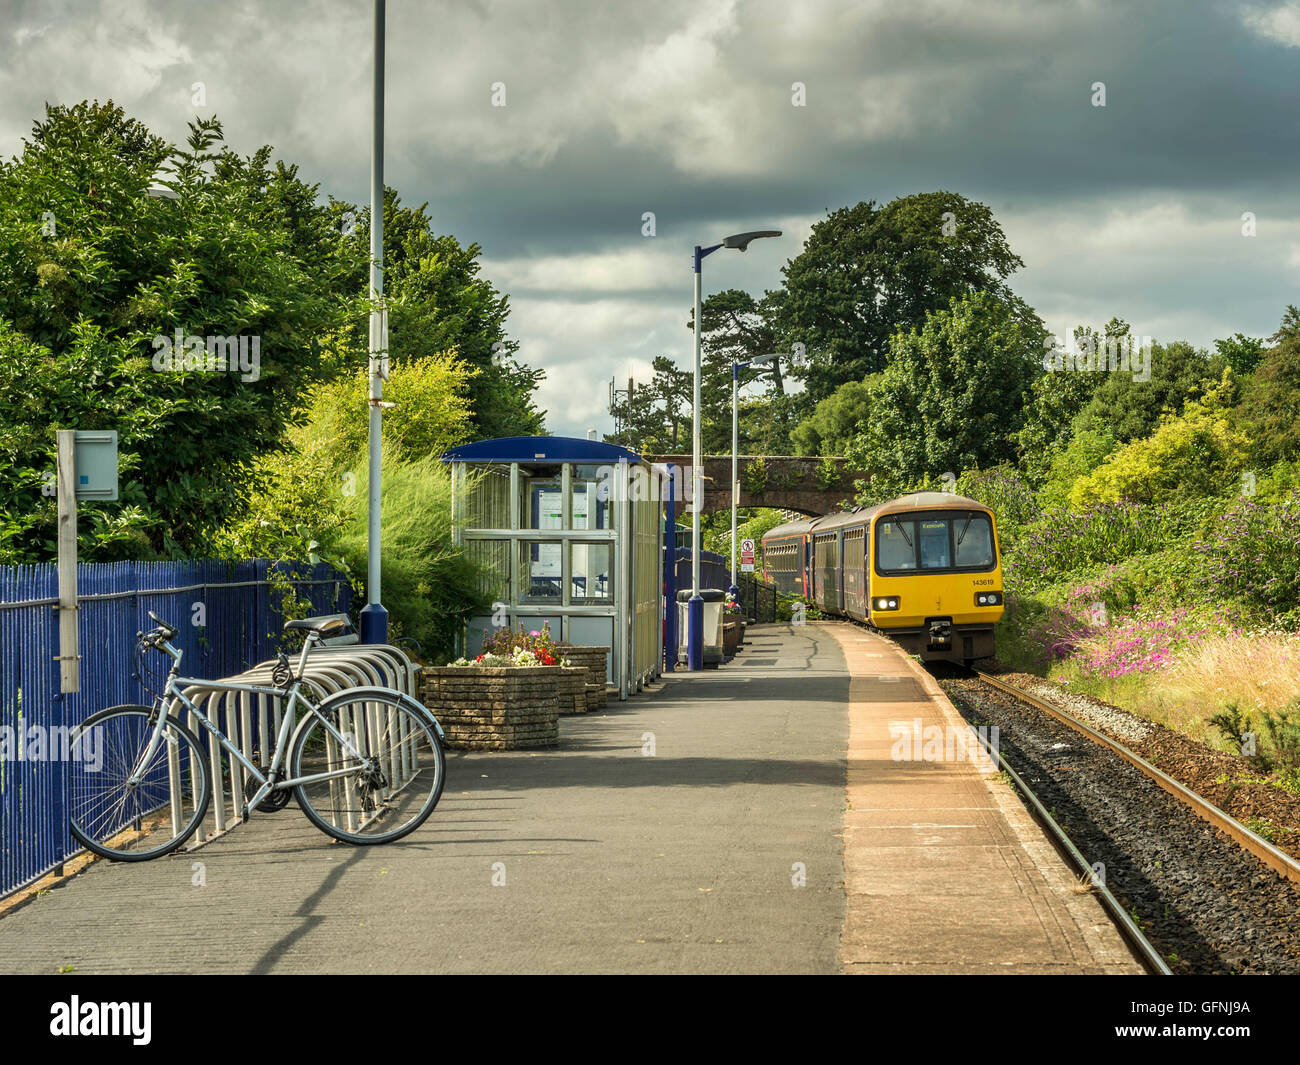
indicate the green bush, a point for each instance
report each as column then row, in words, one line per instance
column 428, row 585
column 1199, row 453
column 1087, row 450
column 755, row 476
column 1251, row 552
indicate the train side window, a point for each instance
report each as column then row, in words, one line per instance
column 895, row 545
column 975, row 543
column 934, row 545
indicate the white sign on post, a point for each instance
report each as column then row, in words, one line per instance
column 86, row 469
column 747, row 555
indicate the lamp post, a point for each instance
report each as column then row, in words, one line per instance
column 374, row 618
column 695, row 607
column 736, row 367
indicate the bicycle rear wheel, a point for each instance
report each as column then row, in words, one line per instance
column 386, row 794
column 124, row 806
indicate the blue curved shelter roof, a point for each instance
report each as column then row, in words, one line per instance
column 540, row 449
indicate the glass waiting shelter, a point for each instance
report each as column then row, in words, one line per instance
column 570, row 532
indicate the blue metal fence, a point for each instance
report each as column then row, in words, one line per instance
column 757, row 598
column 229, row 615
column 715, row 569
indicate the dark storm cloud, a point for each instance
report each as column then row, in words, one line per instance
column 684, row 109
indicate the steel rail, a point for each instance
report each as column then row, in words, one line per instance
column 1128, row 928
column 1281, row 863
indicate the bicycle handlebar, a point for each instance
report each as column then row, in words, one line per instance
column 167, row 632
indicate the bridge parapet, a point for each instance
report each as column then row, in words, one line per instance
column 807, row 484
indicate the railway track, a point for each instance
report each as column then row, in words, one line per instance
column 1128, row 928
column 1199, row 889
column 1275, row 859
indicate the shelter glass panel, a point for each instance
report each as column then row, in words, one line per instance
column 592, row 495
column 591, row 574
column 540, row 572
column 487, row 497
column 492, row 557
column 542, row 506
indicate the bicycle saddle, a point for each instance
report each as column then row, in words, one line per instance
column 323, row 626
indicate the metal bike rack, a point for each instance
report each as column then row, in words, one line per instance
column 246, row 717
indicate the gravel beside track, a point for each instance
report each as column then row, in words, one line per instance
column 1206, row 904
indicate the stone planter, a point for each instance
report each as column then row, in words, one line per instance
column 495, row 708
column 572, row 690
column 730, row 637
column 594, row 660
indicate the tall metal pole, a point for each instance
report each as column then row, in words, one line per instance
column 374, row 618
column 735, row 474
column 695, row 608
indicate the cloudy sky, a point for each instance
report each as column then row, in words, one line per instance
column 685, row 108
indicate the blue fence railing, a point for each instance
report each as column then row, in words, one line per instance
column 757, row 598
column 229, row 615
column 715, row 569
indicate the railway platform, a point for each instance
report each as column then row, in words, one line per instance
column 750, row 819
column 945, row 870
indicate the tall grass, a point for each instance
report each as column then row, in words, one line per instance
column 1257, row 671
column 428, row 586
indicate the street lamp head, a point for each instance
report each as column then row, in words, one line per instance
column 740, row 241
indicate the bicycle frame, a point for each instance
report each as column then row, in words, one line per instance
column 173, row 695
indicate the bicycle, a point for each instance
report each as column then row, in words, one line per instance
column 365, row 765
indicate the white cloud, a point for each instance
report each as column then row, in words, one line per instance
column 1280, row 23
column 652, row 265
column 1172, row 268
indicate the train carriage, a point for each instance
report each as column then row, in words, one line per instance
column 785, row 557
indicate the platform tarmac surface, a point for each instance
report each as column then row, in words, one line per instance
column 742, row 820
column 614, row 860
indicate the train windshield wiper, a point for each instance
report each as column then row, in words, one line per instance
column 962, row 535
column 902, row 528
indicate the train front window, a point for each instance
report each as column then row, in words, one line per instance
column 974, row 539
column 896, row 545
column 934, row 545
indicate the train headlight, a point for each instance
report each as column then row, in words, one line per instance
column 885, row 602
column 988, row 598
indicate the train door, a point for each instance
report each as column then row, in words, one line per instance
column 855, row 595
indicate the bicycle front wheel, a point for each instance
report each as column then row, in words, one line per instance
column 385, row 793
column 129, row 804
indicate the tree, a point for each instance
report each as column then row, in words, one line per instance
column 1199, row 453
column 836, row 420
column 1270, row 399
column 431, row 412
column 867, row 272
column 96, row 282
column 98, row 279
column 739, row 328
column 655, row 418
column 951, row 397
column 1240, row 352
column 441, row 303
column 1130, row 409
column 1056, row 397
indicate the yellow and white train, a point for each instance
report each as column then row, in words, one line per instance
column 923, row 569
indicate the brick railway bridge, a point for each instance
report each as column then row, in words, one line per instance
column 781, row 481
